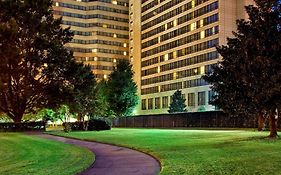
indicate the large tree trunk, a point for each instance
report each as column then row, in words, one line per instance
column 273, row 126
column 261, row 121
column 17, row 119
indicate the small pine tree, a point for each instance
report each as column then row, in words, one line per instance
column 178, row 103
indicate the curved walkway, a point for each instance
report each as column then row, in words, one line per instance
column 113, row 160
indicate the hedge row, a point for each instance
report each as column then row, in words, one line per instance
column 22, row 127
column 92, row 125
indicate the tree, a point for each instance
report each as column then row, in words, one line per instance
column 83, row 100
column 178, row 103
column 248, row 79
column 122, row 90
column 35, row 67
column 103, row 107
column 46, row 115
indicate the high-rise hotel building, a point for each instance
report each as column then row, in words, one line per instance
column 101, row 31
column 172, row 44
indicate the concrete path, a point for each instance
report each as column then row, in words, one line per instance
column 113, row 160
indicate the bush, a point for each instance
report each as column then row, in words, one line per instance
column 95, row 124
column 99, row 124
column 67, row 127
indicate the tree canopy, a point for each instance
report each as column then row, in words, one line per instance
column 248, row 79
column 122, row 90
column 178, row 103
column 36, row 70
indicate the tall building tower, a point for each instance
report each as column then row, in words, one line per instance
column 177, row 40
column 101, row 31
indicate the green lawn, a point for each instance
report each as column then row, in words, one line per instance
column 199, row 152
column 21, row 155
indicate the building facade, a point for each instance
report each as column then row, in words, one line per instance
column 101, row 31
column 172, row 44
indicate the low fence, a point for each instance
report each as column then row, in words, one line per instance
column 199, row 119
column 22, row 127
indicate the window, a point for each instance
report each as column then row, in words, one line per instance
column 150, row 103
column 201, row 98
column 143, row 104
column 210, row 96
column 191, row 99
column 165, row 103
column 157, row 103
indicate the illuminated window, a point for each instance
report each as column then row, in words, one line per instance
column 94, row 50
column 105, row 76
column 175, row 22
column 114, row 2
column 166, row 57
column 95, row 58
column 202, row 34
column 201, row 23
column 174, row 76
column 193, row 26
column 202, row 69
column 114, row 60
column 195, row 71
column 214, row 30
column 114, row 35
column 125, row 53
column 57, row 4
column 174, row 54
column 125, row 44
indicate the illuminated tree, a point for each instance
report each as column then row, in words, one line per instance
column 36, row 70
column 122, row 90
column 178, row 103
column 248, row 79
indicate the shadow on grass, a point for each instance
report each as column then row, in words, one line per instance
column 239, row 141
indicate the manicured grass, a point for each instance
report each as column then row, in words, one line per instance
column 21, row 155
column 199, row 151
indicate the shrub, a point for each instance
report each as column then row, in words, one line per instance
column 99, row 124
column 67, row 126
column 95, row 124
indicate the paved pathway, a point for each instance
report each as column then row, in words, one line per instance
column 113, row 160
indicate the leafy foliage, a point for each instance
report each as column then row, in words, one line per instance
column 36, row 70
column 84, row 99
column 178, row 103
column 103, row 107
column 122, row 90
column 248, row 79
